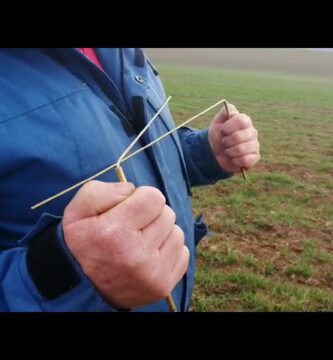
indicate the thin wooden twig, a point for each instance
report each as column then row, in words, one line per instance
column 110, row 167
column 122, row 156
column 120, row 173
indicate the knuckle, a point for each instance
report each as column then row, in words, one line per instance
column 241, row 149
column 244, row 120
column 237, row 137
column 153, row 194
column 223, row 129
column 89, row 188
column 132, row 261
column 88, row 192
column 178, row 233
column 228, row 152
column 114, row 241
column 170, row 213
column 186, row 257
column 256, row 159
column 135, row 207
column 247, row 162
column 85, row 197
column 184, row 262
column 125, row 242
column 115, row 234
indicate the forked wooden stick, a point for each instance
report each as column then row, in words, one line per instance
column 112, row 166
column 121, row 175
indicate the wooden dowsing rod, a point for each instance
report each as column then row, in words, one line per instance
column 112, row 166
column 120, row 173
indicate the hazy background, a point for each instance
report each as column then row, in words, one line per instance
column 317, row 62
column 272, row 248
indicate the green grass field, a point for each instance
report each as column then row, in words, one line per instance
column 272, row 247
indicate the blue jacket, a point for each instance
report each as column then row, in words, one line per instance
column 62, row 119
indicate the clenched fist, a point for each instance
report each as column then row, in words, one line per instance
column 126, row 242
column 234, row 141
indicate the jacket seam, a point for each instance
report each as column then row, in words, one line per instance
column 42, row 106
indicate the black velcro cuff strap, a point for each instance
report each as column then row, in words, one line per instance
column 49, row 266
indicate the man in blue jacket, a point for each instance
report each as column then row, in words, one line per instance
column 111, row 246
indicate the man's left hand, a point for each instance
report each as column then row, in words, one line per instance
column 234, row 140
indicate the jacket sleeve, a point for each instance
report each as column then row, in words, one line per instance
column 201, row 165
column 42, row 275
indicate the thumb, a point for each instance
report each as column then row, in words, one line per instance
column 223, row 115
column 95, row 198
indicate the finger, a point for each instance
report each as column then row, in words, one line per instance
column 94, row 198
column 250, row 147
column 140, row 209
column 181, row 264
column 246, row 161
column 159, row 230
column 235, row 123
column 172, row 245
column 239, row 137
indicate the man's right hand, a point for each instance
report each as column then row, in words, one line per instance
column 126, row 241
